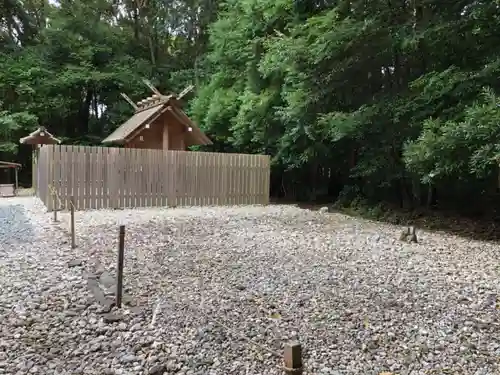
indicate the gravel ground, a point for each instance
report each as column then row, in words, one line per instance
column 359, row 300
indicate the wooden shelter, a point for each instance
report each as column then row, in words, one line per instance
column 36, row 139
column 158, row 123
column 9, row 190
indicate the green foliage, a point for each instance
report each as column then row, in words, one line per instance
column 76, row 58
column 10, row 125
column 387, row 101
column 459, row 148
column 385, row 97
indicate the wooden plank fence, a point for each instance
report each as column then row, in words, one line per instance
column 103, row 177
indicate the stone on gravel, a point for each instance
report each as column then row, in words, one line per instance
column 111, row 318
column 100, row 296
column 107, row 280
column 75, row 263
column 157, row 370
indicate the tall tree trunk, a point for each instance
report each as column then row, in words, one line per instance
column 83, row 128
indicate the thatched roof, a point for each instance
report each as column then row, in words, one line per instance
column 40, row 137
column 149, row 111
column 128, row 127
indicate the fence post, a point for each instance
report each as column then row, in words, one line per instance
column 55, row 207
column 72, row 224
column 293, row 358
column 119, row 270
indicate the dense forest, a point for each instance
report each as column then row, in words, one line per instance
column 380, row 101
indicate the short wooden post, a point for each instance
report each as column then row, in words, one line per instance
column 17, row 181
column 119, row 278
column 34, row 170
column 55, row 207
column 72, row 224
column 293, row 358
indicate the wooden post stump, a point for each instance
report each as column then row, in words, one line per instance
column 293, row 358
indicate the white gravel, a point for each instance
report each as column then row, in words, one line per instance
column 359, row 300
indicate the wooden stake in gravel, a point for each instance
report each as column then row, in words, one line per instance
column 409, row 235
column 119, row 278
column 55, row 208
column 293, row 358
column 72, row 223
column 413, row 235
